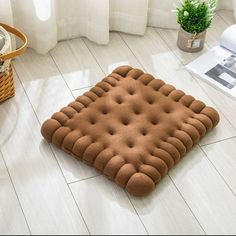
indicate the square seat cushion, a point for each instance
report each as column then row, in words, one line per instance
column 131, row 127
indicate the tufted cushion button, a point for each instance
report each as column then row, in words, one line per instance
column 151, row 100
column 137, row 109
column 130, row 91
column 111, row 130
column 144, row 131
column 154, row 121
column 129, row 142
column 130, row 145
column 119, row 100
column 104, row 111
column 125, row 120
column 93, row 120
column 167, row 110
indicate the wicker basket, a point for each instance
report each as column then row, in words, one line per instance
column 7, row 89
column 6, row 85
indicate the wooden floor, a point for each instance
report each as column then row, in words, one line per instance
column 45, row 191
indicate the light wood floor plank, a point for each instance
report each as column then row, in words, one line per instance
column 106, row 208
column 72, row 168
column 43, row 83
column 12, row 219
column 48, row 93
column 223, row 157
column 158, row 60
column 154, row 208
column 215, row 31
column 112, row 55
column 227, row 16
column 45, row 197
column 204, row 190
column 76, row 64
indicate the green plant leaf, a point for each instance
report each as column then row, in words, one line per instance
column 195, row 16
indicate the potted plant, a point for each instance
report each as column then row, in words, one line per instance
column 194, row 17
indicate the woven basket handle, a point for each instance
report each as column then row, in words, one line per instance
column 18, row 51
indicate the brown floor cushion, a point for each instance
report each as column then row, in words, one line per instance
column 131, row 127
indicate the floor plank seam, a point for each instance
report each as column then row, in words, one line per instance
column 219, row 173
column 94, row 57
column 49, row 53
column 140, row 63
column 54, row 156
column 188, row 206
column 218, row 141
column 80, row 212
column 16, row 193
column 222, row 18
column 86, row 225
column 136, row 212
column 84, row 179
column 86, row 87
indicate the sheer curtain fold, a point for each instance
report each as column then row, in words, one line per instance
column 47, row 21
column 128, row 16
column 235, row 9
column 37, row 21
column 6, row 12
column 161, row 15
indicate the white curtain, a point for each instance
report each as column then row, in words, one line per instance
column 47, row 21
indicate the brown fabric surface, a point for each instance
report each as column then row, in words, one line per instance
column 131, row 127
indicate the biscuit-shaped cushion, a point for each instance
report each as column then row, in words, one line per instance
column 131, row 127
